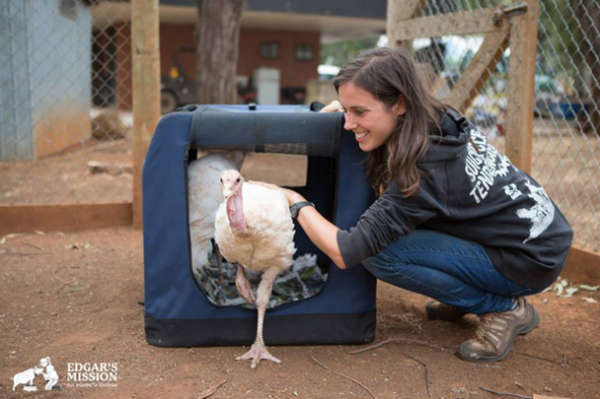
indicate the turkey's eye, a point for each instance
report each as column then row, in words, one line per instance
column 237, row 180
column 221, row 180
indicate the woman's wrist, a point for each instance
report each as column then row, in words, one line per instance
column 294, row 198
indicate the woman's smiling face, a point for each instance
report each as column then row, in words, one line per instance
column 371, row 120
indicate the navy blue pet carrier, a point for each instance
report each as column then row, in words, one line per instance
column 177, row 313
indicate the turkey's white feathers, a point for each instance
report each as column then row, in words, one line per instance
column 269, row 239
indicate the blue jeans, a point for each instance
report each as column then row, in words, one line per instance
column 449, row 269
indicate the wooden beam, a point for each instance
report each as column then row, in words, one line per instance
column 399, row 11
column 27, row 218
column 582, row 266
column 473, row 78
column 521, row 74
column 145, row 89
column 458, row 23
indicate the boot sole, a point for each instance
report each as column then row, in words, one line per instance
column 489, row 359
column 442, row 317
column 434, row 315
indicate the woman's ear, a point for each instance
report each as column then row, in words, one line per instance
column 400, row 107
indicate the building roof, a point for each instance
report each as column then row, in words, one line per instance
column 334, row 19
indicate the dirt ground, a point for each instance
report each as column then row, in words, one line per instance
column 68, row 178
column 76, row 298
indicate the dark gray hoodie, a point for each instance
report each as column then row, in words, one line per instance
column 471, row 191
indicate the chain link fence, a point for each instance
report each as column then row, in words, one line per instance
column 65, row 101
column 566, row 145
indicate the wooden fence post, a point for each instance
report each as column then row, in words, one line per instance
column 399, row 11
column 145, row 89
column 521, row 86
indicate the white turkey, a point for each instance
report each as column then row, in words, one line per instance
column 253, row 228
column 204, row 197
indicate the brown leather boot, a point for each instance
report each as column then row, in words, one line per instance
column 440, row 311
column 497, row 332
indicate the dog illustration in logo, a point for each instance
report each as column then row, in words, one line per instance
column 26, row 378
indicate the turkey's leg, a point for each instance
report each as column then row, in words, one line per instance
column 243, row 285
column 259, row 351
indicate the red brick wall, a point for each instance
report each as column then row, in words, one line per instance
column 172, row 39
column 292, row 72
column 123, row 58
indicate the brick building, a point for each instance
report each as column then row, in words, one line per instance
column 274, row 34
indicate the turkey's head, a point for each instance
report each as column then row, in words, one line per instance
column 231, row 186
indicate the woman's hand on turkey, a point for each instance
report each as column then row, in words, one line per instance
column 333, row 106
column 291, row 195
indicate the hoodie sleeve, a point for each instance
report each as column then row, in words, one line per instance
column 390, row 217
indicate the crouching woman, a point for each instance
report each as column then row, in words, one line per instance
column 454, row 219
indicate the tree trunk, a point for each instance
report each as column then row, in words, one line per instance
column 217, row 37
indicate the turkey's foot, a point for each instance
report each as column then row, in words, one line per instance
column 257, row 352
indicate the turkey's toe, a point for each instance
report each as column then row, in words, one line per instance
column 257, row 353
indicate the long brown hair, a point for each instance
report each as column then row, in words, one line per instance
column 387, row 74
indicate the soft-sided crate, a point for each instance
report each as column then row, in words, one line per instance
column 177, row 313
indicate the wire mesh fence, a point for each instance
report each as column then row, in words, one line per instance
column 566, row 145
column 65, row 95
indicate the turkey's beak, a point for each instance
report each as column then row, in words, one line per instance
column 227, row 192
